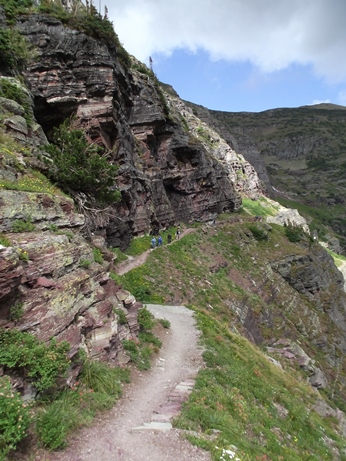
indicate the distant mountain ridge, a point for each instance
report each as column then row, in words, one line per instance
column 301, row 152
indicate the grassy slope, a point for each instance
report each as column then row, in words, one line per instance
column 240, row 398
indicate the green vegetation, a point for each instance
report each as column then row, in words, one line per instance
column 16, row 311
column 84, row 263
column 243, row 398
column 141, row 351
column 14, row 427
column 165, row 323
column 90, row 21
column 136, row 282
column 23, row 225
column 143, row 69
column 121, row 316
column 320, row 218
column 79, row 166
column 14, row 91
column 4, row 241
column 13, row 49
column 139, row 244
column 58, row 410
column 261, row 207
column 23, row 255
column 83, row 18
column 338, row 259
column 98, row 389
column 258, row 233
column 42, row 364
column 145, row 319
column 304, row 152
column 97, row 253
column 294, row 234
column 31, row 181
column 13, row 8
column 120, row 256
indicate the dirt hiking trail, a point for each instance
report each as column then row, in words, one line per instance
column 135, row 261
column 139, row 427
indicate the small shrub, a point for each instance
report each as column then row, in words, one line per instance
column 13, row 427
column 165, row 323
column 143, row 362
column 23, row 225
column 142, row 293
column 41, row 363
column 15, row 92
column 145, row 319
column 12, row 8
column 13, row 49
column 132, row 348
column 100, row 377
column 84, row 263
column 150, row 338
column 122, row 320
column 23, row 255
column 4, row 241
column 54, row 423
column 294, row 234
column 98, row 258
column 258, row 233
column 16, row 311
column 80, row 166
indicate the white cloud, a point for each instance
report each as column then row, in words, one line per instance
column 272, row 34
column 319, row 101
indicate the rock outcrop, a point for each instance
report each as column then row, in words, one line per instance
column 51, row 286
column 316, row 276
column 166, row 173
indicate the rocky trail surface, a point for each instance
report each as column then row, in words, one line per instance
column 139, row 427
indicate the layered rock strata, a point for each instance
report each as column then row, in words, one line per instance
column 166, row 174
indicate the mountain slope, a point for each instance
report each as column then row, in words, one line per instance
column 304, row 151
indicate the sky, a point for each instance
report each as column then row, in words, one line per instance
column 240, row 55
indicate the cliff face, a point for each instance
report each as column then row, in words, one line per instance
column 166, row 175
column 240, row 141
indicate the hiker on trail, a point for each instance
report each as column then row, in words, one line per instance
column 159, row 241
column 178, row 233
column 153, row 242
column 169, row 238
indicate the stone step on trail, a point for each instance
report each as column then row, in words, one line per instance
column 160, row 420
